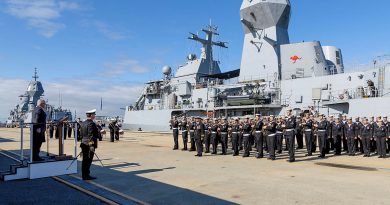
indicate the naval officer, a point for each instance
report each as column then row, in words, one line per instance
column 89, row 136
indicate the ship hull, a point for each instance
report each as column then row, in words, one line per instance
column 147, row 120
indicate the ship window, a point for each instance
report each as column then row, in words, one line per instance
column 338, row 61
column 338, row 54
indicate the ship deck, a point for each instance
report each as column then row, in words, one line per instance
column 142, row 167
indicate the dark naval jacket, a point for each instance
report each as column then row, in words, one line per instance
column 39, row 120
column 89, row 133
column 367, row 131
column 337, row 129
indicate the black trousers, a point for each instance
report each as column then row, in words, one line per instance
column 37, row 143
column 314, row 145
column 207, row 141
column 271, row 145
column 351, row 145
column 337, row 144
column 240, row 140
column 366, row 141
column 259, row 144
column 322, row 142
column 87, row 160
column 192, row 139
column 69, row 132
column 381, row 146
column 360, row 146
column 51, row 133
column 199, row 144
column 112, row 136
column 373, row 145
column 299, row 137
column 184, row 135
column 117, row 135
column 388, row 145
column 279, row 142
column 290, row 135
column 214, row 142
column 331, row 142
column 176, row 138
column 309, row 142
column 235, row 143
column 224, row 142
column 247, row 144
column 345, row 144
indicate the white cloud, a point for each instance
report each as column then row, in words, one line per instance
column 79, row 95
column 104, row 29
column 123, row 66
column 42, row 15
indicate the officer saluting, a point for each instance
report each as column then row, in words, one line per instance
column 89, row 135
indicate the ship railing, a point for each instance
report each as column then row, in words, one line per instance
column 352, row 93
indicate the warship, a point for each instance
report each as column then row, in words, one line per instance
column 28, row 101
column 274, row 75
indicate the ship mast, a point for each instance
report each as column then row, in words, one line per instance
column 208, row 43
column 35, row 74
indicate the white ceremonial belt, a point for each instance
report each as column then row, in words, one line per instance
column 258, row 131
column 234, row 132
column 184, row 131
column 321, row 130
column 246, row 134
column 288, row 130
column 223, row 132
column 213, row 132
column 307, row 130
column 175, row 128
column 279, row 132
column 192, row 130
column 271, row 135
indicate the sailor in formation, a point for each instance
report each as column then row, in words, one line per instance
column 332, row 135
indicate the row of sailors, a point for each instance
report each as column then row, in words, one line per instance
column 267, row 134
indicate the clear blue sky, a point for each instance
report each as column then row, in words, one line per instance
column 126, row 42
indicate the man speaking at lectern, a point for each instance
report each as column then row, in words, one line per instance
column 39, row 128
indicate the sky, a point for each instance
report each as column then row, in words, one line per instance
column 92, row 49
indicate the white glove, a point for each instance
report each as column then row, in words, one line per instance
column 92, row 149
column 39, row 130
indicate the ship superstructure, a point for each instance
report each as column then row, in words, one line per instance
column 275, row 74
column 28, row 101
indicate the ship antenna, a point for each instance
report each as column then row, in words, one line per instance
column 35, row 74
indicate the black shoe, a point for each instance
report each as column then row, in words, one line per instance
column 291, row 160
column 198, row 155
column 184, row 149
column 213, row 152
column 245, row 156
column 380, row 157
column 38, row 160
column 175, row 148
column 89, row 178
column 207, row 152
column 235, row 155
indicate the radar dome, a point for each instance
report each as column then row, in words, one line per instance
column 167, row 70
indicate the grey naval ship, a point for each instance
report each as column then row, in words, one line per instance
column 274, row 75
column 28, row 101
